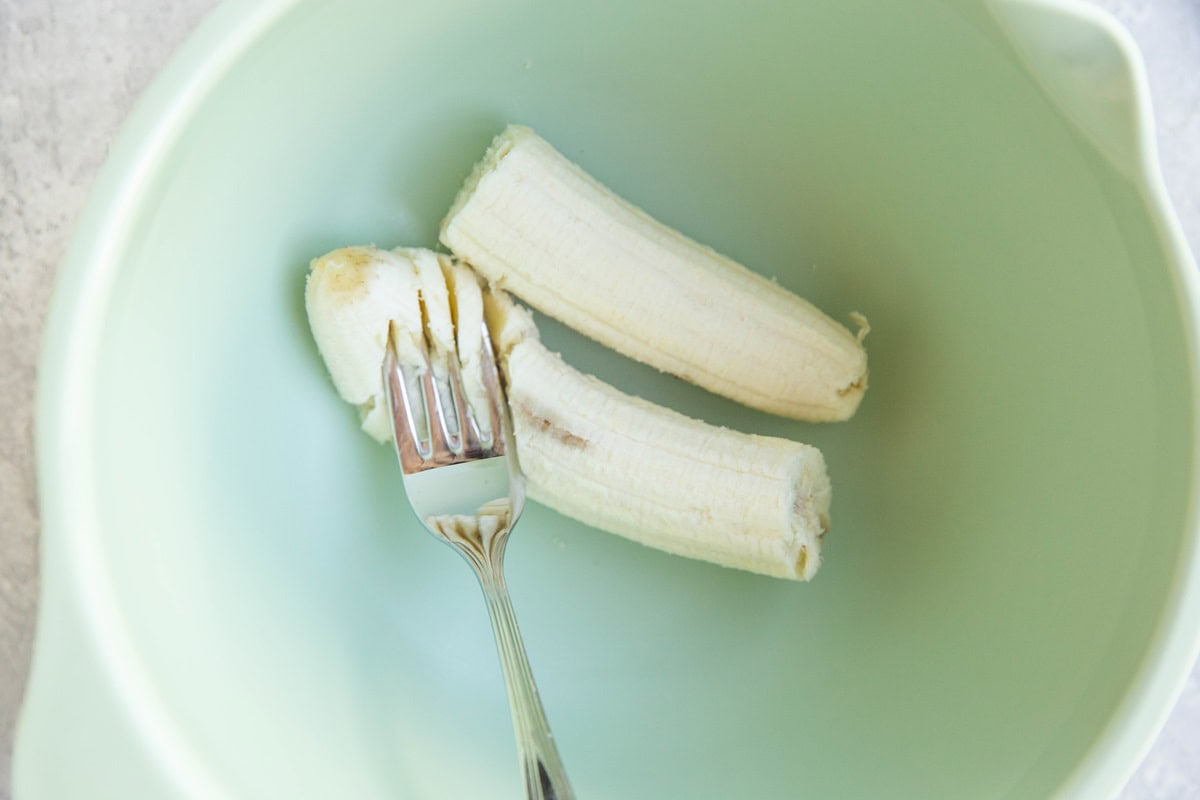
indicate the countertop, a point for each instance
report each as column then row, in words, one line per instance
column 70, row 70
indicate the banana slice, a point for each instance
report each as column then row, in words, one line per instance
column 606, row 458
column 435, row 302
column 533, row 223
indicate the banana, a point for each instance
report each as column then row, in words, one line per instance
column 587, row 450
column 634, row 468
column 535, row 224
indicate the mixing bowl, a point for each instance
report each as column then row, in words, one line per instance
column 236, row 602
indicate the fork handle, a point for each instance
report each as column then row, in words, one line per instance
column 545, row 778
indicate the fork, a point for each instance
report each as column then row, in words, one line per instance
column 463, row 482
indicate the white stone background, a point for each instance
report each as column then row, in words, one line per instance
column 70, row 70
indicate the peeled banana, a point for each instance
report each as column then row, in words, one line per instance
column 587, row 450
column 648, row 473
column 532, row 222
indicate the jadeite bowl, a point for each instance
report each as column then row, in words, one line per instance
column 237, row 602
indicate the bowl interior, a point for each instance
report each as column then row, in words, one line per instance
column 1009, row 501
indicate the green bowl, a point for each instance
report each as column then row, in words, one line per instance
column 236, row 602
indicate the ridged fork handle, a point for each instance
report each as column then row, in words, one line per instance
column 545, row 778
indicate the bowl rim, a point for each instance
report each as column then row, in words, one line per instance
column 73, row 561
column 1174, row 646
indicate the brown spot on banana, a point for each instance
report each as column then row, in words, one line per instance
column 543, row 423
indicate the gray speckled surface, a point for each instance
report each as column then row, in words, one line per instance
column 69, row 72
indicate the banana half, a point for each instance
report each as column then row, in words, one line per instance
column 532, row 222
column 589, row 451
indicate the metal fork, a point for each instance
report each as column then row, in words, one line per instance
column 463, row 483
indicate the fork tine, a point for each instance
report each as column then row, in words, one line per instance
column 450, row 415
column 496, row 401
column 404, row 429
column 439, row 436
column 468, row 427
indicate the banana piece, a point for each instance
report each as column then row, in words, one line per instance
column 587, row 450
column 435, row 302
column 533, row 223
column 650, row 474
